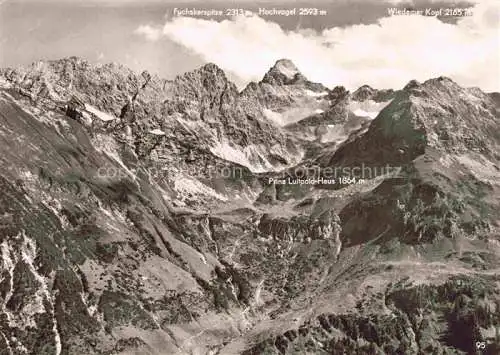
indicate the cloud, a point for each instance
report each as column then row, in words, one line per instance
column 387, row 54
column 149, row 32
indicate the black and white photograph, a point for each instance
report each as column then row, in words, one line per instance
column 268, row 177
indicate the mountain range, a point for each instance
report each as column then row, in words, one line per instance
column 140, row 215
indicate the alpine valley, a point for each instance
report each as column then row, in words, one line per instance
column 141, row 216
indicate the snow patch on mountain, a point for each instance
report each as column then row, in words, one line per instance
column 99, row 114
column 254, row 157
column 8, row 264
column 363, row 113
column 291, row 115
column 286, row 68
column 367, row 108
column 334, row 133
column 41, row 300
column 4, row 83
column 185, row 185
column 157, row 132
column 250, row 156
column 275, row 117
column 315, row 94
column 188, row 125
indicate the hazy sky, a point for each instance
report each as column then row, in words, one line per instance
column 356, row 42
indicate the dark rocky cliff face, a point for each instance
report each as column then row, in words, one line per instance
column 137, row 216
column 366, row 92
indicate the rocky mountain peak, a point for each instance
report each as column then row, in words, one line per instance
column 442, row 83
column 285, row 95
column 437, row 114
column 106, row 86
column 363, row 92
column 411, row 85
column 366, row 92
column 209, row 78
column 209, row 70
column 286, row 67
column 283, row 72
column 338, row 92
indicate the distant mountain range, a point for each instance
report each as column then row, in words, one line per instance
column 140, row 215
